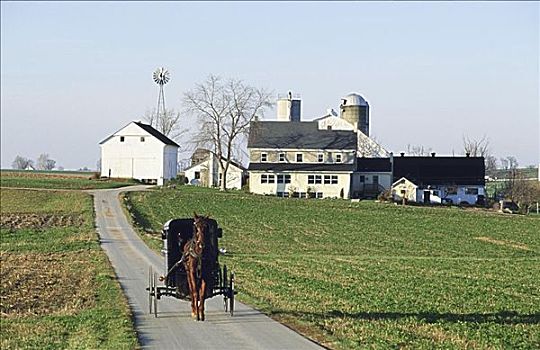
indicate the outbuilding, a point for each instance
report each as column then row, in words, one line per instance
column 139, row 151
column 205, row 170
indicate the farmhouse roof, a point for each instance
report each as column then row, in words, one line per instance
column 298, row 135
column 440, row 170
column 149, row 129
column 202, row 155
column 300, row 167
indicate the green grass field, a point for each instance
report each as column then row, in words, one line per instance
column 57, row 288
column 372, row 275
column 57, row 180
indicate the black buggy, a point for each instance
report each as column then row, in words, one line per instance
column 176, row 233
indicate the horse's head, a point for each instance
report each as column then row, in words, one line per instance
column 200, row 224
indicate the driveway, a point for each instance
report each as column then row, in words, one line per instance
column 174, row 328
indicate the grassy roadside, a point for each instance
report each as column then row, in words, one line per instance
column 58, row 180
column 57, row 288
column 369, row 275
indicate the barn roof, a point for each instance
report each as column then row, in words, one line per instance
column 298, row 135
column 158, row 135
column 149, row 129
column 373, row 165
column 300, row 167
column 440, row 170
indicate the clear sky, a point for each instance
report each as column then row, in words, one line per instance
column 72, row 73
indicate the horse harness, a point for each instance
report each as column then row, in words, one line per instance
column 193, row 253
column 190, row 252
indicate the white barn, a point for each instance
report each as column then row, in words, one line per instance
column 138, row 151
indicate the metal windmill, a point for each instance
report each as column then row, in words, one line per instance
column 161, row 77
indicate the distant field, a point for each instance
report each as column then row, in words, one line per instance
column 370, row 275
column 57, row 180
column 57, row 289
column 524, row 172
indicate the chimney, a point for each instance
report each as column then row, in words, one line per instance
column 402, row 154
column 433, row 154
column 467, row 154
column 288, row 107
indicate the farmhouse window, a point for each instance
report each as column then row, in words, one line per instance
column 362, row 178
column 330, row 179
column 220, row 178
column 267, row 179
column 282, row 157
column 197, row 175
column 320, row 157
column 283, row 194
column 299, row 157
column 338, row 158
column 284, row 179
column 121, row 138
column 142, row 138
column 314, row 179
column 264, row 157
column 318, row 194
column 471, row 190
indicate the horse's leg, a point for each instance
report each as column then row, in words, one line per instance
column 202, row 293
column 192, row 288
column 197, row 303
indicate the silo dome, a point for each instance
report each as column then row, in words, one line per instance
column 353, row 99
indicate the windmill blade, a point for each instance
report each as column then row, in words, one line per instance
column 161, row 76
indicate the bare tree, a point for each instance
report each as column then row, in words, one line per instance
column 167, row 123
column 418, row 150
column 491, row 165
column 22, row 163
column 513, row 186
column 521, row 190
column 224, row 110
column 476, row 148
column 44, row 162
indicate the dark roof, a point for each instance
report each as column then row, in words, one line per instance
column 300, row 167
column 202, row 154
column 440, row 170
column 298, row 135
column 373, row 164
column 157, row 134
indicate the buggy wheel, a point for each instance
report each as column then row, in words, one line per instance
column 155, row 288
column 225, row 290
column 231, row 294
column 150, row 290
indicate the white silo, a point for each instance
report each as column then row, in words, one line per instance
column 355, row 110
column 289, row 107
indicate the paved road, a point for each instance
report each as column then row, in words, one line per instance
column 174, row 328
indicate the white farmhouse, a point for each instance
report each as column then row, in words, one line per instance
column 205, row 171
column 334, row 157
column 138, row 151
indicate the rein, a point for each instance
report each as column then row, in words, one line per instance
column 191, row 252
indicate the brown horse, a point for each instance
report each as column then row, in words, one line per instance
column 194, row 264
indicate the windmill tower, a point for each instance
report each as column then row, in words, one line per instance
column 161, row 77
